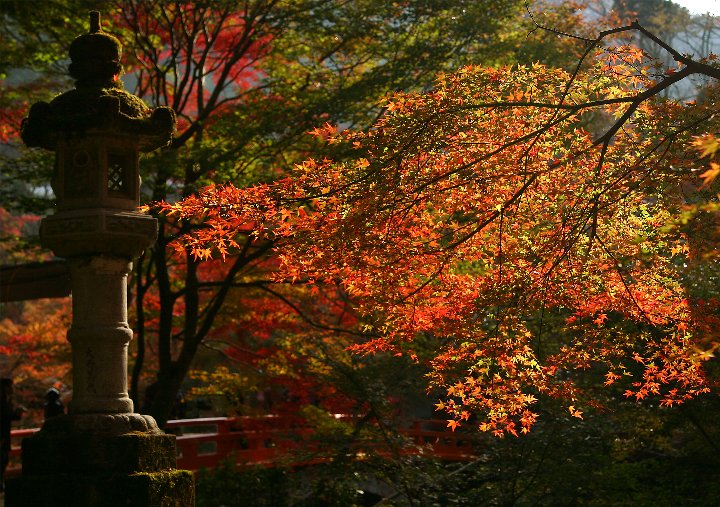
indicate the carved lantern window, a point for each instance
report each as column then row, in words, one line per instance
column 98, row 171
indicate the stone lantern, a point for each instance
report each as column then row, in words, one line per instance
column 101, row 453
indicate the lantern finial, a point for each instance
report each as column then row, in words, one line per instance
column 95, row 22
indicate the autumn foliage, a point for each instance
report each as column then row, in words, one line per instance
column 524, row 219
column 34, row 351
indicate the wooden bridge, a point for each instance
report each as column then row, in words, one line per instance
column 277, row 439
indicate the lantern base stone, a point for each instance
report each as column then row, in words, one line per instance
column 166, row 488
column 94, row 460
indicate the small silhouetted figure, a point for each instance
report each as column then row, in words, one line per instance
column 150, row 392
column 53, row 405
column 7, row 414
column 179, row 406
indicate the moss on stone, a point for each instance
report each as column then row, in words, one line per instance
column 80, row 453
column 84, row 101
column 167, row 488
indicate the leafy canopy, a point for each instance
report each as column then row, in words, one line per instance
column 483, row 211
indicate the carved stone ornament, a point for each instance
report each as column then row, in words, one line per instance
column 101, row 453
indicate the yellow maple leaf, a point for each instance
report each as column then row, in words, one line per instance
column 452, row 424
column 575, row 412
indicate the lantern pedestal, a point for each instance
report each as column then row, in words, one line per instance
column 99, row 335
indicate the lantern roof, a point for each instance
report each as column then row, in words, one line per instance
column 98, row 103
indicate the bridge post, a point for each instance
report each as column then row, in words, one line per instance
column 101, row 453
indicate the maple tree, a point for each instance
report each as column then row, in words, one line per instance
column 475, row 213
column 235, row 74
column 210, row 145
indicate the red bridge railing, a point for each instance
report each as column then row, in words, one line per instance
column 273, row 439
